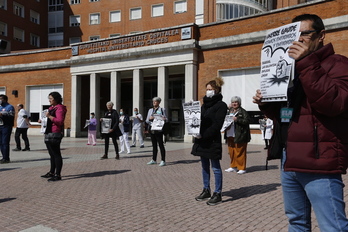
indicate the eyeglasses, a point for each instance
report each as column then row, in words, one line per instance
column 307, row 34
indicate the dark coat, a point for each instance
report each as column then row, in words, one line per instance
column 114, row 123
column 241, row 127
column 126, row 123
column 213, row 113
column 316, row 140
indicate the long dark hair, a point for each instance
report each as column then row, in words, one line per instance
column 57, row 97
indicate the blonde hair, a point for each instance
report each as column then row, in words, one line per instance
column 216, row 84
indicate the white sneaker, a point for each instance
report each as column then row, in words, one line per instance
column 128, row 152
column 231, row 170
column 162, row 163
column 152, row 162
column 241, row 172
column 120, row 152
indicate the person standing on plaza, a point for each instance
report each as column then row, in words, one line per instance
column 22, row 129
column 7, row 114
column 114, row 130
column 55, row 127
column 207, row 143
column 92, row 130
column 238, row 136
column 137, row 129
column 268, row 131
column 157, row 136
column 124, row 124
column 315, row 139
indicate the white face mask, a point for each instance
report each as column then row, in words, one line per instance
column 210, row 93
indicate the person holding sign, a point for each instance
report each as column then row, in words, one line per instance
column 238, row 136
column 156, row 117
column 111, row 130
column 207, row 143
column 312, row 135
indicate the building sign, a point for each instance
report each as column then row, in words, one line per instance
column 139, row 40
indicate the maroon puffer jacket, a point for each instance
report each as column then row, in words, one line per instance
column 317, row 140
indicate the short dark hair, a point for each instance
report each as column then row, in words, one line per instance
column 57, row 97
column 317, row 25
column 4, row 97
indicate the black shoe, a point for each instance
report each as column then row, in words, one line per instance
column 142, row 146
column 132, row 146
column 104, row 156
column 47, row 175
column 4, row 161
column 17, row 149
column 26, row 149
column 55, row 178
column 117, row 156
column 215, row 199
column 204, row 195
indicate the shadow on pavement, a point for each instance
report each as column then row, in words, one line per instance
column 184, row 162
column 249, row 191
column 7, row 169
column 7, row 199
column 261, row 168
column 94, row 174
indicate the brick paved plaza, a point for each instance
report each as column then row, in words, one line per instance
column 128, row 195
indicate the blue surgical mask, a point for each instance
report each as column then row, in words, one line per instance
column 135, row 112
column 121, row 113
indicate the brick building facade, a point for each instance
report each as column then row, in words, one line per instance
column 174, row 63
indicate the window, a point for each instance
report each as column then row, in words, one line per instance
column 3, row 29
column 135, row 13
column 34, row 40
column 180, row 6
column 34, row 17
column 115, row 16
column 3, row 4
column 94, row 0
column 55, row 22
column 38, row 99
column 18, row 34
column 74, row 21
column 94, row 18
column 94, row 37
column 18, row 9
column 157, row 10
column 74, row 40
column 72, row 2
column 55, row 5
column 115, row 35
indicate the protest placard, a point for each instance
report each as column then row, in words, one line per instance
column 192, row 116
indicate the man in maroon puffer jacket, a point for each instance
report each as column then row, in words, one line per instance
column 315, row 141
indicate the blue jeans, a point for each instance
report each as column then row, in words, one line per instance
column 215, row 165
column 5, row 137
column 323, row 192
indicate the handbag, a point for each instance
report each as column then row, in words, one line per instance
column 53, row 137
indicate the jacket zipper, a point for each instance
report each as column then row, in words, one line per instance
column 316, row 147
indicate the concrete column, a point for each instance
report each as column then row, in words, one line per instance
column 190, row 89
column 138, row 90
column 75, row 106
column 163, row 86
column 94, row 102
column 115, row 90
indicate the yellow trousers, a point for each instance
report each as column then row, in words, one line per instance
column 237, row 153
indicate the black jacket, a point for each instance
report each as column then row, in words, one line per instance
column 213, row 114
column 114, row 123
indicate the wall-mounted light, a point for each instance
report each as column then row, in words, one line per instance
column 15, row 92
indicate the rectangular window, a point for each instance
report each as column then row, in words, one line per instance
column 95, row 37
column 38, row 99
column 74, row 40
column 18, row 9
column 3, row 4
column 72, row 2
column 94, row 0
column 74, row 21
column 55, row 5
column 34, row 17
column 135, row 13
column 157, row 10
column 114, row 35
column 94, row 19
column 180, row 6
column 34, row 40
column 115, row 16
column 18, row 34
column 3, row 29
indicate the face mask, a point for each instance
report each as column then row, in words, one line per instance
column 135, row 112
column 210, row 93
column 121, row 113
